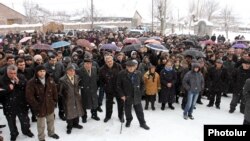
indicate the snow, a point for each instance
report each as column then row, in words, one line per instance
column 164, row 125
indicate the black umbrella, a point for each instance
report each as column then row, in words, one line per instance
column 189, row 42
column 142, row 39
column 131, row 47
column 194, row 53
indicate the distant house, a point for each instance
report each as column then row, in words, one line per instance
column 9, row 16
column 137, row 19
column 203, row 27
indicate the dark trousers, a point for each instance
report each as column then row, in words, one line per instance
column 93, row 113
column 100, row 96
column 184, row 100
column 60, row 105
column 245, row 122
column 214, row 94
column 138, row 111
column 72, row 122
column 109, row 105
column 151, row 99
column 237, row 97
column 24, row 121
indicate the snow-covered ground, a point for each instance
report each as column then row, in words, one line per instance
column 164, row 125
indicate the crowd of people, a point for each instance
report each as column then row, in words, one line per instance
column 76, row 78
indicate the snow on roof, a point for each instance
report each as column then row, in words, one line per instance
column 20, row 25
column 208, row 23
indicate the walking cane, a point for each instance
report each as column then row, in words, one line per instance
column 123, row 110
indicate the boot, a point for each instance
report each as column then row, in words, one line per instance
column 33, row 118
column 99, row 109
column 177, row 99
column 144, row 126
column 153, row 106
column 128, row 123
column 84, row 119
column 146, row 106
column 231, row 111
column 62, row 116
column 94, row 115
column 29, row 134
column 171, row 106
column 163, row 106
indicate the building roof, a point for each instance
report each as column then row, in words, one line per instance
column 9, row 13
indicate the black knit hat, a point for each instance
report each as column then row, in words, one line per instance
column 40, row 67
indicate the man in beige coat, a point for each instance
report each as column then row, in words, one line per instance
column 69, row 89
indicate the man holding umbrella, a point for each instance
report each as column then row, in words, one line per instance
column 129, row 87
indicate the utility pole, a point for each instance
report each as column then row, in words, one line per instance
column 92, row 15
column 152, row 16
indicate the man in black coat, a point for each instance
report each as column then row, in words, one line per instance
column 108, row 76
column 56, row 71
column 246, row 94
column 130, row 87
column 239, row 77
column 14, row 103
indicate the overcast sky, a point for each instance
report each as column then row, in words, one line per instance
column 126, row 7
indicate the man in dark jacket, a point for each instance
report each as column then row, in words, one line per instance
column 41, row 94
column 88, row 83
column 14, row 103
column 217, row 79
column 56, row 70
column 108, row 76
column 246, row 95
column 239, row 77
column 130, row 88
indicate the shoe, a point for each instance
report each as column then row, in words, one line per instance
column 209, row 105
column 29, row 134
column 62, row 117
column 153, row 108
column 144, row 126
column 199, row 102
column 231, row 111
column 13, row 137
column 128, row 124
column 171, row 106
column 122, row 120
column 2, row 126
column 95, row 118
column 55, row 136
column 191, row 117
column 217, row 107
column 146, row 108
column 185, row 117
column 99, row 109
column 33, row 119
column 78, row 126
column 68, row 131
column 162, row 108
column 106, row 120
column 225, row 95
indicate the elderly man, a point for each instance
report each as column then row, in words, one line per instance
column 129, row 87
column 108, row 76
column 69, row 89
column 14, row 103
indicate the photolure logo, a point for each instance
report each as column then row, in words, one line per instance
column 221, row 132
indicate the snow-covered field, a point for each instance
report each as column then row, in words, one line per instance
column 164, row 125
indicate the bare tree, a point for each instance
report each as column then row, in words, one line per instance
column 228, row 18
column 30, row 11
column 162, row 8
column 210, row 8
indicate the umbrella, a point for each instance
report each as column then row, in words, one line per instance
column 60, row 44
column 131, row 41
column 152, row 41
column 242, row 46
column 157, row 47
column 194, row 53
column 83, row 43
column 208, row 42
column 25, row 39
column 156, row 38
column 109, row 47
column 189, row 42
column 131, row 47
column 42, row 47
column 142, row 39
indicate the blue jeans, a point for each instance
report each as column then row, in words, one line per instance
column 191, row 101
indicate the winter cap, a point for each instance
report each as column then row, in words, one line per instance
column 131, row 63
column 40, row 67
column 195, row 64
column 87, row 59
column 66, row 59
column 133, row 52
column 246, row 61
column 28, row 57
column 151, row 66
column 20, row 52
column 37, row 57
column 70, row 66
column 219, row 61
